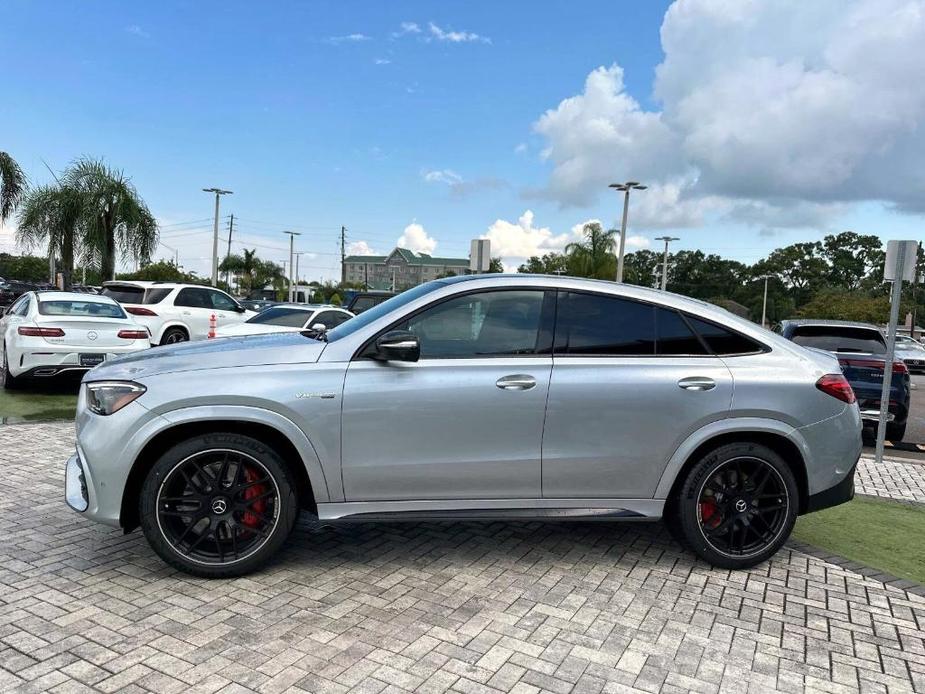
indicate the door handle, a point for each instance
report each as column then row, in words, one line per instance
column 187, row 313
column 697, row 383
column 516, row 382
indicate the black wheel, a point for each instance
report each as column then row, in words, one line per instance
column 172, row 336
column 10, row 382
column 737, row 505
column 895, row 432
column 218, row 505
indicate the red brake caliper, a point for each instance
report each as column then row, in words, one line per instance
column 709, row 513
column 251, row 519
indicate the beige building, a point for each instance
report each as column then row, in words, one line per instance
column 400, row 269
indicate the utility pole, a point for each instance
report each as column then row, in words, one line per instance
column 228, row 253
column 625, row 188
column 218, row 193
column 915, row 286
column 343, row 254
column 297, row 281
column 764, row 302
column 292, row 235
column 667, row 240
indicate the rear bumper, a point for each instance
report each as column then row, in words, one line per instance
column 44, row 362
column 840, row 493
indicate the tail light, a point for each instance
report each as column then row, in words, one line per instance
column 900, row 368
column 139, row 311
column 133, row 334
column 837, row 386
column 26, row 331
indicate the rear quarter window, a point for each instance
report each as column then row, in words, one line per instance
column 722, row 341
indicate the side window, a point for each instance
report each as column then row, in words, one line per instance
column 327, row 318
column 13, row 310
column 722, row 341
column 191, row 297
column 363, row 303
column 674, row 336
column 222, row 302
column 480, row 325
column 594, row 324
column 23, row 308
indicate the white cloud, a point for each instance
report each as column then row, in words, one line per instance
column 349, row 38
column 514, row 242
column 460, row 187
column 521, row 148
column 407, row 28
column 769, row 112
column 360, row 248
column 136, row 30
column 416, row 239
column 447, row 176
column 382, row 61
column 438, row 34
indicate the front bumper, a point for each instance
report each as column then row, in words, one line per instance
column 76, row 491
column 840, row 493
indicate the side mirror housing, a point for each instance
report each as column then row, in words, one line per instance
column 319, row 328
column 399, row 345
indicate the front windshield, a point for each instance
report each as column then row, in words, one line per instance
column 376, row 312
column 283, row 316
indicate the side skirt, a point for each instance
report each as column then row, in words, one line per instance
column 494, row 509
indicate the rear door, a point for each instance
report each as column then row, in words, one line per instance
column 195, row 308
column 630, row 381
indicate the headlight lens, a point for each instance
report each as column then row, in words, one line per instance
column 107, row 397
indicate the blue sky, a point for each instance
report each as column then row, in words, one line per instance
column 378, row 116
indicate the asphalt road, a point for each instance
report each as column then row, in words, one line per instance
column 913, row 445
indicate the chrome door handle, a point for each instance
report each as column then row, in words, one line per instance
column 697, row 383
column 516, row 382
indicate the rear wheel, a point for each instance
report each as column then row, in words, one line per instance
column 895, row 432
column 172, row 336
column 737, row 505
column 218, row 505
column 10, row 382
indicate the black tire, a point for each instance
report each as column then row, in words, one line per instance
column 172, row 336
column 725, row 495
column 895, row 432
column 183, row 521
column 10, row 382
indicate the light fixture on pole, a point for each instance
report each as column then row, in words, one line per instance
column 219, row 192
column 667, row 240
column 625, row 188
column 764, row 302
column 292, row 235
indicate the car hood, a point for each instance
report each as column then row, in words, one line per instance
column 228, row 352
column 254, row 329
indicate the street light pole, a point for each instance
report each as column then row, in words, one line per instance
column 764, row 302
column 667, row 240
column 218, row 193
column 292, row 235
column 625, row 188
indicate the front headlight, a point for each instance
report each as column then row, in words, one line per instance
column 106, row 397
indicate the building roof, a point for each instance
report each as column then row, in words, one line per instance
column 410, row 257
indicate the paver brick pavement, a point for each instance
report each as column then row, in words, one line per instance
column 427, row 607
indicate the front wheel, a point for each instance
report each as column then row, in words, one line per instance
column 218, row 505
column 737, row 505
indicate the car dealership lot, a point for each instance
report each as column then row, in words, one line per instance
column 432, row 606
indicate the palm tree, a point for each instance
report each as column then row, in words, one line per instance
column 114, row 218
column 12, row 185
column 594, row 255
column 50, row 215
column 245, row 266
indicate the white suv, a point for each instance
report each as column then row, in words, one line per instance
column 175, row 312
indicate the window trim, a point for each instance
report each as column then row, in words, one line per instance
column 685, row 316
column 545, row 332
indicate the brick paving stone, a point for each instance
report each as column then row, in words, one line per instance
column 435, row 607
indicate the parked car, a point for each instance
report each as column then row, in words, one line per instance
column 45, row 334
column 357, row 302
column 10, row 290
column 478, row 397
column 175, row 312
column 912, row 353
column 257, row 305
column 288, row 318
column 861, row 351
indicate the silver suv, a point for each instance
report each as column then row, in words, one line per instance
column 494, row 396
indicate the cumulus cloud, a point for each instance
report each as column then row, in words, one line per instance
column 407, row 28
column 447, row 176
column 438, row 34
column 360, row 248
column 415, row 239
column 349, row 38
column 768, row 112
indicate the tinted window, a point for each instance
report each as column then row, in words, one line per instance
column 91, row 309
column 222, row 302
column 156, row 295
column 836, row 338
column 383, row 309
column 364, row 302
column 124, row 294
column 329, row 319
column 722, row 341
column 479, row 325
column 23, row 308
column 282, row 316
column 597, row 324
column 674, row 336
column 194, row 298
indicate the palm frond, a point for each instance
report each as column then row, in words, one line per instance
column 13, row 185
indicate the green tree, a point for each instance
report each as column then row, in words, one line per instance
column 243, row 265
column 27, row 268
column 852, row 258
column 702, row 276
column 641, row 267
column 50, row 216
column 551, row 263
column 838, row 304
column 496, row 265
column 801, row 266
column 163, row 271
column 593, row 256
column 13, row 185
column 114, row 217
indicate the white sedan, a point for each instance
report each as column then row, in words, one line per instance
column 283, row 318
column 44, row 334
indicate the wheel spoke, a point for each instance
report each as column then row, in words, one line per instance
column 761, row 510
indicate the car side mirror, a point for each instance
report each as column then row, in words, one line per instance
column 399, row 345
column 319, row 328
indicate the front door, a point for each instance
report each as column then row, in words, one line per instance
column 630, row 382
column 466, row 420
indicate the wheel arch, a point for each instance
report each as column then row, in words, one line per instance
column 167, row 325
column 308, row 493
column 779, row 437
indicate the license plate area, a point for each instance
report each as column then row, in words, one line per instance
column 92, row 359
